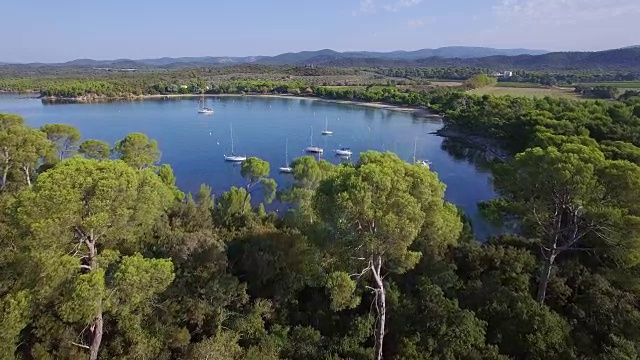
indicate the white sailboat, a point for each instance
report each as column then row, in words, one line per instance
column 343, row 152
column 233, row 157
column 311, row 148
column 201, row 108
column 286, row 169
column 422, row 163
column 326, row 130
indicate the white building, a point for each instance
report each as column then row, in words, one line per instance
column 508, row 74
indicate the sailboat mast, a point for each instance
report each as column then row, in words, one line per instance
column 286, row 152
column 415, row 149
column 231, row 131
column 311, row 142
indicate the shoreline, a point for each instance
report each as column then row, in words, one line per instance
column 422, row 112
column 492, row 150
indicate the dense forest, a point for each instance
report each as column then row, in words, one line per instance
column 88, row 82
column 102, row 256
column 548, row 78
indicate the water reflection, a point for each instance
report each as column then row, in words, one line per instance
column 462, row 151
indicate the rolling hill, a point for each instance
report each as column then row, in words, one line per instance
column 617, row 59
column 303, row 56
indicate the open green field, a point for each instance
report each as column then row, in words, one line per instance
column 627, row 85
column 528, row 92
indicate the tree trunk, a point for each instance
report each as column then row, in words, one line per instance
column 545, row 274
column 97, row 327
column 5, row 172
column 96, row 333
column 381, row 308
column 246, row 197
column 26, row 174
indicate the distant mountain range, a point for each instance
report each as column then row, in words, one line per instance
column 619, row 59
column 302, row 57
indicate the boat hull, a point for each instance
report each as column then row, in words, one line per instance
column 343, row 152
column 286, row 170
column 234, row 158
column 314, row 150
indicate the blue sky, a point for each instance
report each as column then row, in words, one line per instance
column 53, row 31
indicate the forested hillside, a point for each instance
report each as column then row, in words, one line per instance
column 495, row 59
column 103, row 257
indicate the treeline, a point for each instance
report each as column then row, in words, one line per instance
column 598, row 92
column 79, row 82
column 103, row 257
column 521, row 123
column 526, row 76
column 445, row 73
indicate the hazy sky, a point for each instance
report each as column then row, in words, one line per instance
column 53, row 31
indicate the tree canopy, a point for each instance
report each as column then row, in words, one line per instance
column 104, row 257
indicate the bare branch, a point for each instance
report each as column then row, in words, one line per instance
column 361, row 274
column 80, row 345
column 86, row 267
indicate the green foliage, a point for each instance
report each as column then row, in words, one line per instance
column 23, row 150
column 256, row 171
column 95, row 149
column 342, row 288
column 138, row 280
column 177, row 277
column 479, row 81
column 109, row 198
column 165, row 172
column 223, row 346
column 138, row 151
column 14, row 312
column 83, row 298
column 381, row 205
column 65, row 137
column 231, row 206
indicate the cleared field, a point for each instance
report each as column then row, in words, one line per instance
column 628, row 85
column 445, row 83
column 528, row 92
column 519, row 85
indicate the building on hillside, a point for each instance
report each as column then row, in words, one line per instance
column 508, row 74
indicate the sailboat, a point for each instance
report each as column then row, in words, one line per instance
column 286, row 169
column 233, row 157
column 343, row 152
column 202, row 109
column 311, row 148
column 326, row 130
column 422, row 163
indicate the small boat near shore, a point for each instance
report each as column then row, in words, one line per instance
column 203, row 109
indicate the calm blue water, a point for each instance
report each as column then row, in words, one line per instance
column 194, row 144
